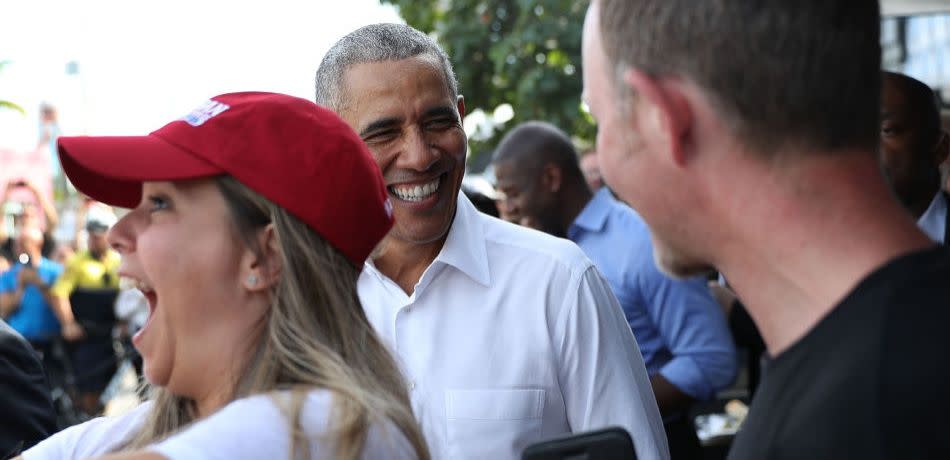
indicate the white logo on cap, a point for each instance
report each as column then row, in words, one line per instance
column 204, row 112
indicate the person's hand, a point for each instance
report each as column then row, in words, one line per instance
column 30, row 186
column 72, row 331
column 27, row 276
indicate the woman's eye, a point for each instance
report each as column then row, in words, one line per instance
column 157, row 203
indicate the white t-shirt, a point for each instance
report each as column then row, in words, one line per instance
column 249, row 428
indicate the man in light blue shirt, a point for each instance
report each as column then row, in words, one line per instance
column 912, row 148
column 680, row 328
column 24, row 290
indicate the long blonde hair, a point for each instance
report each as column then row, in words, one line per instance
column 315, row 335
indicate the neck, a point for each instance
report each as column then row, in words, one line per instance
column 572, row 203
column 822, row 224
column 404, row 262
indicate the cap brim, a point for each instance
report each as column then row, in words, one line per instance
column 112, row 169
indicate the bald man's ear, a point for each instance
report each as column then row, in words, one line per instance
column 942, row 150
column 551, row 178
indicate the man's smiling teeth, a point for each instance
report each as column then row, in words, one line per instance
column 415, row 192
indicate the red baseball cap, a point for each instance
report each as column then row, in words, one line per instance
column 293, row 152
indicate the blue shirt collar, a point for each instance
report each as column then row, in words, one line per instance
column 594, row 216
column 933, row 221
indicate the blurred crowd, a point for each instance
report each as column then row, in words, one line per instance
column 63, row 294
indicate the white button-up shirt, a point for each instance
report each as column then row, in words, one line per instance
column 511, row 337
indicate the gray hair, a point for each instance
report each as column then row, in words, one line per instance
column 375, row 43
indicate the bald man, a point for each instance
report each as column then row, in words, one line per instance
column 913, row 146
column 681, row 331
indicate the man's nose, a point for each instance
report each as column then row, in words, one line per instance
column 418, row 152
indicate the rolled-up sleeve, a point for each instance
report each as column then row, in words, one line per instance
column 694, row 330
column 601, row 371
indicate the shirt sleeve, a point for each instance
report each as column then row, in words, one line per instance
column 694, row 330
column 93, row 438
column 256, row 427
column 8, row 281
column 245, row 429
column 64, row 285
column 603, row 379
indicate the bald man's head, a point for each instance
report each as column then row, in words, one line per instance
column 536, row 167
column 533, row 144
column 912, row 142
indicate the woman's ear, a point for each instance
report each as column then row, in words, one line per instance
column 262, row 269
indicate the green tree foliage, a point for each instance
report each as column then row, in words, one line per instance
column 526, row 53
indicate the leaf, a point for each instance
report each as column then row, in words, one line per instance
column 12, row 106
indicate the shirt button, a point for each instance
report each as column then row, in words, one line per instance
column 412, row 385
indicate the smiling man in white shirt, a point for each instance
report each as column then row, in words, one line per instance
column 507, row 336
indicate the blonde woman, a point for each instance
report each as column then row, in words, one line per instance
column 251, row 218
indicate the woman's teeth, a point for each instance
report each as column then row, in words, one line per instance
column 132, row 283
column 415, row 192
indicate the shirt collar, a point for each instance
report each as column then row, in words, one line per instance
column 464, row 247
column 593, row 217
column 934, row 219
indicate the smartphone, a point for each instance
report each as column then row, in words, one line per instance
column 609, row 443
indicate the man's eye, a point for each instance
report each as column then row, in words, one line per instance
column 442, row 123
column 381, row 136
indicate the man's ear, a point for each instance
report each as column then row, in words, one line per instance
column 460, row 104
column 942, row 149
column 262, row 271
column 664, row 112
column 551, row 178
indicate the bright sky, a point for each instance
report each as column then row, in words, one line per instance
column 142, row 64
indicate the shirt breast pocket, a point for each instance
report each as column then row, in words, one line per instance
column 492, row 423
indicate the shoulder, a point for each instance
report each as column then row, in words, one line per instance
column 513, row 242
column 50, row 266
column 14, row 348
column 93, row 438
column 258, row 426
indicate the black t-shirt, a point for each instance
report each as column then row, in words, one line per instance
column 871, row 380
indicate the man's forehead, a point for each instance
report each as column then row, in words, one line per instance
column 388, row 88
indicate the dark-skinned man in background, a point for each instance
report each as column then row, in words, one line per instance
column 680, row 328
column 913, row 146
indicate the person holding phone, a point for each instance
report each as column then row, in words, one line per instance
column 28, row 215
column 25, row 301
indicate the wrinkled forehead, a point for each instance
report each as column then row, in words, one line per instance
column 393, row 88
